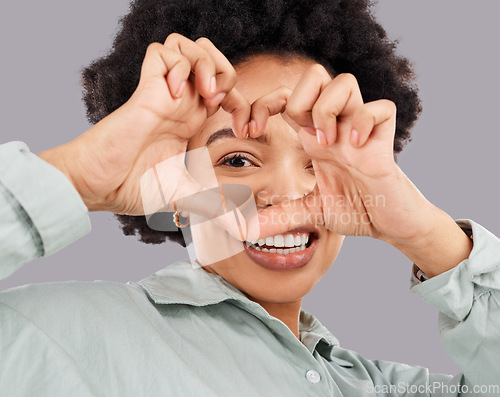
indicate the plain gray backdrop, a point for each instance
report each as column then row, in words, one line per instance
column 365, row 299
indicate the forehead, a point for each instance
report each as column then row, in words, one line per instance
column 262, row 74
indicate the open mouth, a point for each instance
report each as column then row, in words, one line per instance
column 286, row 251
column 282, row 244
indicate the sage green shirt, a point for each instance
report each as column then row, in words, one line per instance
column 186, row 332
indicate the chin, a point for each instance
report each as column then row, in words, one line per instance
column 271, row 276
column 278, row 286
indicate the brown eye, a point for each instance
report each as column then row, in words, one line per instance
column 236, row 161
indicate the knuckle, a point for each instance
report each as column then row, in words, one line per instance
column 173, row 37
column 285, row 91
column 348, row 79
column 390, row 105
column 154, row 47
column 204, row 41
column 317, row 69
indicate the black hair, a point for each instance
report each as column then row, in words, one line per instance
column 342, row 35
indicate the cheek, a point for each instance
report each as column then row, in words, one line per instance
column 252, row 181
column 333, row 244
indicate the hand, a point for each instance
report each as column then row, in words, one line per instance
column 360, row 190
column 182, row 83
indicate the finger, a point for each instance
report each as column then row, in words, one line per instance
column 202, row 64
column 225, row 73
column 304, row 96
column 160, row 62
column 290, row 214
column 338, row 100
column 265, row 107
column 374, row 120
column 238, row 106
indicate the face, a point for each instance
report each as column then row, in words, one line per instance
column 276, row 168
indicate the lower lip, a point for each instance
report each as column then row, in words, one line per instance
column 282, row 262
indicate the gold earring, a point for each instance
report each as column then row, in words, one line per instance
column 176, row 219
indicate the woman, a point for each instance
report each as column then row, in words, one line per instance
column 183, row 325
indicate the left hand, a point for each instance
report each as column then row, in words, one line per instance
column 360, row 190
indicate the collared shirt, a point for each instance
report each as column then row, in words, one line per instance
column 186, row 332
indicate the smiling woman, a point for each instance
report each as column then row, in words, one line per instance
column 277, row 169
column 303, row 108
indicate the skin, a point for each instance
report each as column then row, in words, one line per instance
column 276, row 172
column 310, row 119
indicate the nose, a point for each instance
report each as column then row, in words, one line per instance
column 287, row 181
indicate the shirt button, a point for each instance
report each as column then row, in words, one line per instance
column 312, row 376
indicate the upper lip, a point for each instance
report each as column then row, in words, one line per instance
column 302, row 229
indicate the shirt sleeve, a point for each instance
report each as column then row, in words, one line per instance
column 40, row 210
column 468, row 298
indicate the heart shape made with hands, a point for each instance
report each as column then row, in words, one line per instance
column 359, row 189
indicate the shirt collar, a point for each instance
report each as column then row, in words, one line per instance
column 184, row 283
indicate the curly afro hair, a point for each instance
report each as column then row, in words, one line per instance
column 342, row 35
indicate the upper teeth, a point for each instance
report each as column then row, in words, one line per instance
column 287, row 240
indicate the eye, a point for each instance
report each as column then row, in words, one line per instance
column 236, row 160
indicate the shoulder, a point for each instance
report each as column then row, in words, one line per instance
column 70, row 301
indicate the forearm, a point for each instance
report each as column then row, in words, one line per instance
column 468, row 300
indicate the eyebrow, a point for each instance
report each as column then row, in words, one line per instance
column 227, row 133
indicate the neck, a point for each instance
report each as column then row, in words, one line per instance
column 288, row 313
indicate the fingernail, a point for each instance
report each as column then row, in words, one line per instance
column 245, row 131
column 213, row 85
column 253, row 127
column 180, row 90
column 354, row 138
column 321, row 137
column 219, row 98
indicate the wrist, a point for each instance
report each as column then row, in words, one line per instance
column 440, row 248
column 57, row 158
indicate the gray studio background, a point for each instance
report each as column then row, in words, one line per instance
column 364, row 300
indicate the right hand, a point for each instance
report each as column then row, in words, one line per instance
column 182, row 83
